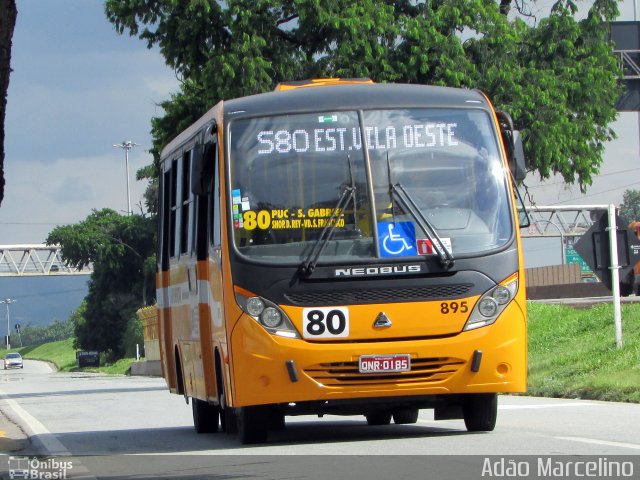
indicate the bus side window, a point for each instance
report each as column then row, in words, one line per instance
column 214, row 202
column 164, row 223
column 173, row 186
column 186, row 203
column 202, row 228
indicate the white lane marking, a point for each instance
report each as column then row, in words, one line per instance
column 546, row 405
column 37, row 431
column 601, row 442
column 34, row 428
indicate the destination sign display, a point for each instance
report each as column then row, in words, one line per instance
column 390, row 137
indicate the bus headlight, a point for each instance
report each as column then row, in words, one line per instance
column 492, row 303
column 255, row 306
column 267, row 314
column 271, row 318
column 488, row 306
column 502, row 295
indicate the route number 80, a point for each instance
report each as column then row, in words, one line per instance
column 325, row 322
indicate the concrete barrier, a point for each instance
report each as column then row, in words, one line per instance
column 148, row 368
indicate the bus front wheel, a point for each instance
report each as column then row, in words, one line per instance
column 253, row 424
column 403, row 416
column 228, row 419
column 480, row 412
column 205, row 416
column 378, row 417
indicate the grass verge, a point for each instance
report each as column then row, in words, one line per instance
column 573, row 353
column 60, row 353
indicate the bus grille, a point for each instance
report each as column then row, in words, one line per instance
column 354, row 297
column 423, row 370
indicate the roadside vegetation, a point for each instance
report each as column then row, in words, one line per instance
column 31, row 335
column 573, row 353
column 62, row 355
column 57, row 344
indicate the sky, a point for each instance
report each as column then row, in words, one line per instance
column 77, row 88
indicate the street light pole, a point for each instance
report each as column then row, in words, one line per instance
column 8, row 301
column 126, row 146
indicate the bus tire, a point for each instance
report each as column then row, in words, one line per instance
column 480, row 411
column 205, row 416
column 276, row 421
column 379, row 417
column 228, row 421
column 405, row 416
column 228, row 418
column 253, row 424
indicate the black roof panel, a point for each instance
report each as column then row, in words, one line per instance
column 346, row 97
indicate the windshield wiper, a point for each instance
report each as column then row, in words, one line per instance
column 348, row 194
column 398, row 192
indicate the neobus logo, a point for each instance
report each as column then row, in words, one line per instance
column 367, row 271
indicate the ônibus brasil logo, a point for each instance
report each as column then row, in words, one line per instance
column 38, row 468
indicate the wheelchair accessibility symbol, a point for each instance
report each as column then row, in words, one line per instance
column 397, row 239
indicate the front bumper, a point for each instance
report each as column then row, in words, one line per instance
column 267, row 369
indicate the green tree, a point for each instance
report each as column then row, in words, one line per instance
column 557, row 78
column 8, row 14
column 133, row 335
column 629, row 209
column 77, row 320
column 121, row 250
column 36, row 335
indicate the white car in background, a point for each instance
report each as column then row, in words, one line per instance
column 13, row 360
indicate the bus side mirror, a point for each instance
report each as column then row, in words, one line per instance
column 202, row 168
column 513, row 145
column 517, row 163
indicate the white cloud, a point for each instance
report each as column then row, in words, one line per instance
column 619, row 171
column 71, row 97
column 72, row 190
column 41, row 195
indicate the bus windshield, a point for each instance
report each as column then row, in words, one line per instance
column 293, row 176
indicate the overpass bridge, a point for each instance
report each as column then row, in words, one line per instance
column 35, row 260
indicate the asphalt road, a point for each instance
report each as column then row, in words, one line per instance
column 121, row 427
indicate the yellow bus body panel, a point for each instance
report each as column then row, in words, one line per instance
column 416, row 319
column 329, row 371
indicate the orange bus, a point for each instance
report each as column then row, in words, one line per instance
column 342, row 247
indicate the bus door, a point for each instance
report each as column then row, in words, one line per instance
column 206, row 186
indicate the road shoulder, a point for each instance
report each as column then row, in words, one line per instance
column 12, row 438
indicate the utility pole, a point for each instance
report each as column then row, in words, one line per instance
column 126, row 146
column 7, row 302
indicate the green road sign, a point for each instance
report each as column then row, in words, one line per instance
column 571, row 256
